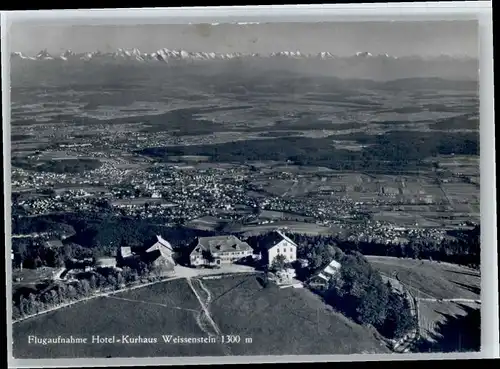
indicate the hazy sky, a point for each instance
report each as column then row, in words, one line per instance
column 395, row 38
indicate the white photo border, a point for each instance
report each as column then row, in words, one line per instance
column 421, row 11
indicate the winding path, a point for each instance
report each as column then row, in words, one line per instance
column 204, row 314
column 204, row 307
column 450, row 300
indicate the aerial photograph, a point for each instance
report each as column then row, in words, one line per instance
column 239, row 189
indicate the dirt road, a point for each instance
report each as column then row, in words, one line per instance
column 450, row 300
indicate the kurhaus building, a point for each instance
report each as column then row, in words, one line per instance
column 219, row 250
column 277, row 243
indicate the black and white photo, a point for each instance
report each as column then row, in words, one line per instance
column 245, row 189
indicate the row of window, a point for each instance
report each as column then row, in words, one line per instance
column 235, row 253
column 284, row 250
column 228, row 254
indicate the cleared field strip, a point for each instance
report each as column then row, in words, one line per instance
column 283, row 321
column 441, row 290
column 204, row 307
column 451, row 300
column 431, row 279
column 151, row 303
column 145, row 312
column 435, row 313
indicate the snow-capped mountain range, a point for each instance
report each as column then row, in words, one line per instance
column 167, row 55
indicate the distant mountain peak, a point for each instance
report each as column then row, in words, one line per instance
column 365, row 54
column 18, row 54
column 166, row 55
column 44, row 55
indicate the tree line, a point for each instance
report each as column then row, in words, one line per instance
column 463, row 248
column 393, row 152
column 32, row 254
column 27, row 302
column 30, row 225
column 101, row 234
column 59, row 166
column 357, row 290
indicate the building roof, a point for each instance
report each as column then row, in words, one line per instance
column 54, row 243
column 331, row 268
column 166, row 263
column 321, row 276
column 106, row 262
column 273, row 238
column 222, row 244
column 327, row 273
column 161, row 249
column 125, row 251
column 163, row 243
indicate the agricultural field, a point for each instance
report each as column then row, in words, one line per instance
column 431, row 279
column 433, row 315
column 57, row 155
column 310, row 183
column 169, row 308
column 282, row 321
column 189, row 158
column 90, row 189
column 448, row 300
column 268, row 320
column 206, row 223
column 358, row 187
column 465, row 165
column 401, row 218
column 282, row 215
column 461, row 193
column 140, row 201
column 292, row 226
column 409, row 200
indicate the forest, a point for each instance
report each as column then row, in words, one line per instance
column 59, row 166
column 99, row 234
column 464, row 248
column 360, row 294
column 28, row 301
column 104, row 233
column 357, row 290
column 394, row 152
